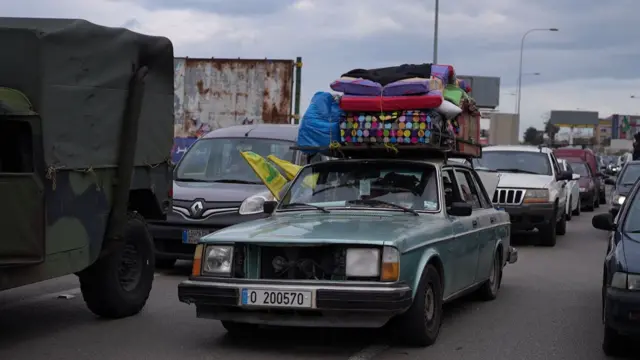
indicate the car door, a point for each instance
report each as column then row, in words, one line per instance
column 573, row 193
column 559, row 187
column 464, row 237
column 467, row 239
column 486, row 232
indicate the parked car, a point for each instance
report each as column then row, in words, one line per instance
column 588, row 157
column 371, row 241
column 622, row 185
column 621, row 276
column 532, row 188
column 586, row 183
column 214, row 187
column 573, row 190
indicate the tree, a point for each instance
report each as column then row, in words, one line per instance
column 551, row 130
column 532, row 136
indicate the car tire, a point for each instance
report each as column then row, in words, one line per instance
column 489, row 290
column 165, row 263
column 591, row 205
column 420, row 325
column 118, row 284
column 237, row 329
column 561, row 227
column 547, row 233
column 576, row 212
column 568, row 215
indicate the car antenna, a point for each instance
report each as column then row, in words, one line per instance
column 248, row 131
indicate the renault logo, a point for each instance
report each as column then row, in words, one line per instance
column 196, row 208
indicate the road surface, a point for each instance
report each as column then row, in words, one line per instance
column 548, row 308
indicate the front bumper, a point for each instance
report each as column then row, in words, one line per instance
column 358, row 304
column 622, row 312
column 530, row 216
column 167, row 235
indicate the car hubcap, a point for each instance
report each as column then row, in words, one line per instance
column 429, row 305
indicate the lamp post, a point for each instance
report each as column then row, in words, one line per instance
column 435, row 32
column 519, row 92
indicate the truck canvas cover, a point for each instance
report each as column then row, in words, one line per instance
column 76, row 75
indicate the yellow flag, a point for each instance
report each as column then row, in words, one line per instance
column 291, row 170
column 270, row 176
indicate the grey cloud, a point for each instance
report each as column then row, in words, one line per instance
column 222, row 7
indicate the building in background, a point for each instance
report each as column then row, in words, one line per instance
column 504, row 129
column 623, row 126
column 602, row 132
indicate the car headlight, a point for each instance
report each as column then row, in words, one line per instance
column 618, row 199
column 363, row 262
column 622, row 280
column 536, row 196
column 217, row 260
column 255, row 204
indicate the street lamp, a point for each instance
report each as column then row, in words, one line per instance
column 520, row 69
column 435, row 32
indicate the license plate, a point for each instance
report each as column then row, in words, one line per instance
column 192, row 236
column 276, row 298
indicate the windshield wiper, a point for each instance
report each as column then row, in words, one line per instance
column 192, row 180
column 518, row 171
column 237, row 181
column 382, row 202
column 308, row 205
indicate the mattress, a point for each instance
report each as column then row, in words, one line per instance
column 399, row 127
column 353, row 86
column 390, row 103
column 413, row 86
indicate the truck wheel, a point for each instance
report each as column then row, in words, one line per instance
column 165, row 263
column 420, row 325
column 489, row 290
column 561, row 227
column 548, row 233
column 118, row 284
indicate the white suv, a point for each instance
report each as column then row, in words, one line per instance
column 532, row 188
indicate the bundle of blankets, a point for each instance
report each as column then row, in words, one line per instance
column 406, row 104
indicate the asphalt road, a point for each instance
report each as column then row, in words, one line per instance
column 548, row 308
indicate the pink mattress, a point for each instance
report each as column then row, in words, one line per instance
column 389, row 103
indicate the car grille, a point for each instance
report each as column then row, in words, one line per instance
column 508, row 197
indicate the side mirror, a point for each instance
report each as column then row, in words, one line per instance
column 603, row 222
column 460, row 209
column 269, row 206
column 609, row 181
column 565, row 175
column 575, row 176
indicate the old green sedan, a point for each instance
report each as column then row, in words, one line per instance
column 357, row 243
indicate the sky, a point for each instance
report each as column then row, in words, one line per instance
column 591, row 63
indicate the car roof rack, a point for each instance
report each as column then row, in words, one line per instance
column 457, row 149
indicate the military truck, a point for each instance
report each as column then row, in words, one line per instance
column 86, row 130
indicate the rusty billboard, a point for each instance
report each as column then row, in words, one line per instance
column 216, row 93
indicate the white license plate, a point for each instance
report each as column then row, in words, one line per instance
column 192, row 236
column 276, row 298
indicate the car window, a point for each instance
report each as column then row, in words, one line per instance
column 632, row 217
column 219, row 159
column 556, row 166
column 527, row 162
column 467, row 188
column 567, row 167
column 630, row 174
column 582, row 169
column 450, row 188
column 353, row 185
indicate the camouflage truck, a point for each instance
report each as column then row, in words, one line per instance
column 86, row 130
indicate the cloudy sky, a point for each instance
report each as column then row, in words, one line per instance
column 592, row 63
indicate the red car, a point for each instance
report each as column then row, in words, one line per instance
column 588, row 190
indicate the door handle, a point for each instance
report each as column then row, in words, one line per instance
column 493, row 220
column 474, row 223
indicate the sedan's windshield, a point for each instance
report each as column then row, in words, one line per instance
column 407, row 187
column 580, row 168
column 219, row 159
column 630, row 174
column 515, row 161
column 631, row 221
